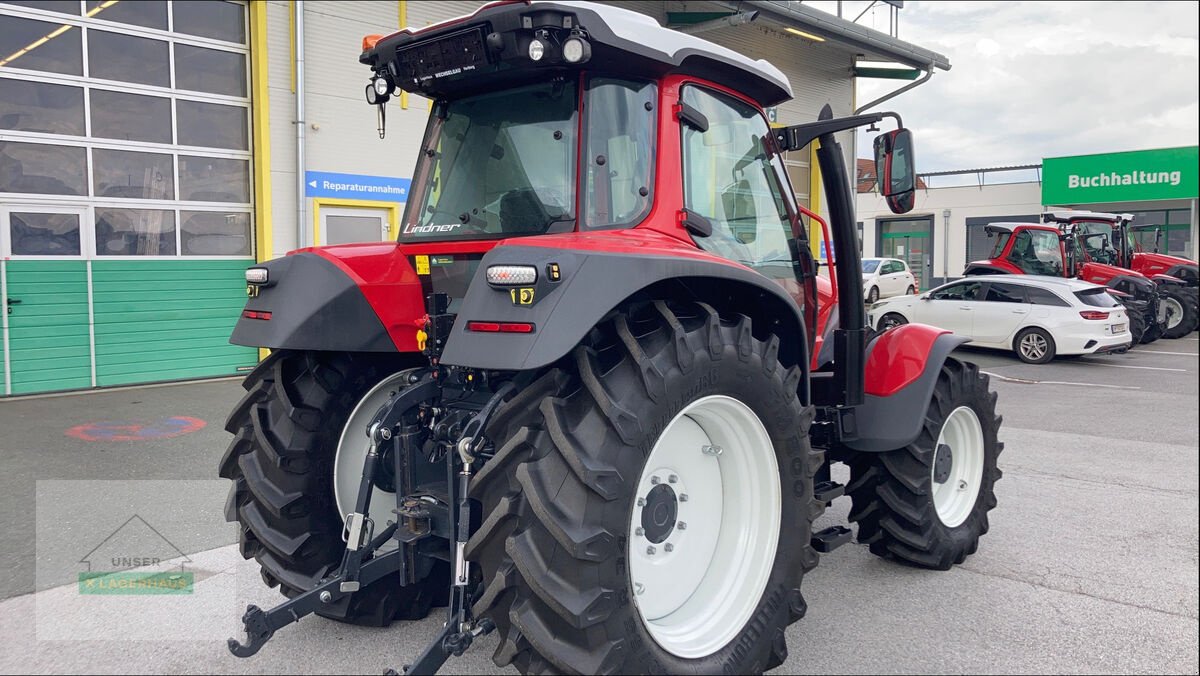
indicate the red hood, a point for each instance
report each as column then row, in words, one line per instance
column 1100, row 273
column 1153, row 263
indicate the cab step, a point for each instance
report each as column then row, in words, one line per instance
column 827, row 491
column 831, row 538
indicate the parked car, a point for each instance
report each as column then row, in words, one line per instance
column 1036, row 317
column 887, row 277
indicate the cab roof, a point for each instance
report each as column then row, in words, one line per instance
column 622, row 41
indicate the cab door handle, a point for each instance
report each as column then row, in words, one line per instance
column 11, row 302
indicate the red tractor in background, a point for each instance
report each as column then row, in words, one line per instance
column 591, row 397
column 1108, row 238
column 1162, row 307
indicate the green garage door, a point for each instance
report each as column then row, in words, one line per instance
column 167, row 319
column 46, row 300
column 74, row 320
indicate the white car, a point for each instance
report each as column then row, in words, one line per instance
column 885, row 278
column 1036, row 317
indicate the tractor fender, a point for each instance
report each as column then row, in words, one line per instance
column 311, row 304
column 1167, row 280
column 901, row 371
column 1188, row 272
column 595, row 282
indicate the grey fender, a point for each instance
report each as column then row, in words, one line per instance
column 888, row 423
column 593, row 284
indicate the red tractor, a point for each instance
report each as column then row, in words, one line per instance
column 1044, row 249
column 1108, row 238
column 591, row 397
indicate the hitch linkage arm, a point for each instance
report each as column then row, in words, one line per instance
column 261, row 625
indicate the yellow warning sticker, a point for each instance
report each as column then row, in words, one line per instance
column 422, row 265
column 521, row 296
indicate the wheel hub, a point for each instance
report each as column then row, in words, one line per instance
column 659, row 514
column 958, row 466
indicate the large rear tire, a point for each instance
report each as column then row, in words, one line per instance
column 573, row 516
column 1181, row 312
column 923, row 504
column 281, row 461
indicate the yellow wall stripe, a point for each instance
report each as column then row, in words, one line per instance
column 260, row 107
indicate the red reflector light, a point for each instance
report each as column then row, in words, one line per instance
column 498, row 327
column 1093, row 314
column 255, row 314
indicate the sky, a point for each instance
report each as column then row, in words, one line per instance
column 1043, row 79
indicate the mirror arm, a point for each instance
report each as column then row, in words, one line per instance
column 798, row 136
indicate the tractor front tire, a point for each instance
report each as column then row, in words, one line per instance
column 580, row 501
column 286, row 431
column 927, row 504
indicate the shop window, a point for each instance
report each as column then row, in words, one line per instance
column 216, row 20
column 210, row 70
column 41, row 107
column 35, row 234
column 145, row 13
column 135, row 232
column 211, row 179
column 128, row 58
column 130, row 117
column 41, row 168
column 123, row 173
column 212, row 125
column 215, row 233
column 60, row 52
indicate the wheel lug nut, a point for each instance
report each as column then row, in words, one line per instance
column 651, row 550
column 683, row 497
column 654, row 479
column 673, row 479
column 682, row 525
column 641, row 502
column 962, row 485
column 639, row 531
column 669, row 547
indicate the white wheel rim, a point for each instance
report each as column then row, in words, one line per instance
column 353, row 446
column 696, row 595
column 955, row 497
column 1174, row 312
column 1033, row 346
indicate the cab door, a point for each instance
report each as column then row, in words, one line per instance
column 951, row 307
column 46, row 319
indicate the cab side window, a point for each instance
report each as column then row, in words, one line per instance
column 1039, row 296
column 728, row 179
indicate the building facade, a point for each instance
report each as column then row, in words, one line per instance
column 151, row 150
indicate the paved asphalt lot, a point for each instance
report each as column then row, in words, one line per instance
column 1090, row 565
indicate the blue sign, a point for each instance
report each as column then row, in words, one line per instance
column 356, row 186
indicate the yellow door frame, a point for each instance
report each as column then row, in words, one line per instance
column 393, row 209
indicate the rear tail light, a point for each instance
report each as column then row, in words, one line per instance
column 256, row 314
column 500, row 327
column 1093, row 314
column 511, row 275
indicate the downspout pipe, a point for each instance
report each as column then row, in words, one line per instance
column 890, row 95
column 303, row 236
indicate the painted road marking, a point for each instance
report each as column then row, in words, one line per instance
column 1144, row 368
column 1026, row 381
column 122, row 430
column 1181, row 354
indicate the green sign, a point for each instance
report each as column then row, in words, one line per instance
column 126, row 583
column 1141, row 175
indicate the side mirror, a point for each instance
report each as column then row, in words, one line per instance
column 895, row 167
column 925, row 296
